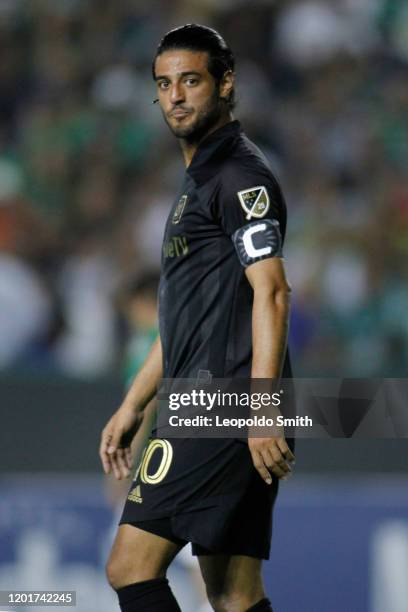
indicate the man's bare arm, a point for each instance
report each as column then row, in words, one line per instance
column 117, row 435
column 270, row 322
column 144, row 385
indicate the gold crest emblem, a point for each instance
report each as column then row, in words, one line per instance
column 254, row 201
column 178, row 211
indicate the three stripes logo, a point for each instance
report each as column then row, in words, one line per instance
column 135, row 495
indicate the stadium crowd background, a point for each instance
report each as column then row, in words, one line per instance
column 88, row 171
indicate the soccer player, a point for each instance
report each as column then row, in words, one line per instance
column 223, row 313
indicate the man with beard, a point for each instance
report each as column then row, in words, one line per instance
column 223, row 313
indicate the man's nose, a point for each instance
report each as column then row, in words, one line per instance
column 176, row 94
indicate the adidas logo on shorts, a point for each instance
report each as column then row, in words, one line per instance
column 135, row 495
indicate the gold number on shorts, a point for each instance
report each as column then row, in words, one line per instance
column 165, row 462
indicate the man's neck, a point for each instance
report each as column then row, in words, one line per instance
column 189, row 148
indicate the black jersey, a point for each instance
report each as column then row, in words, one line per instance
column 228, row 214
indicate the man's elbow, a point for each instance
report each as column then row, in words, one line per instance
column 282, row 296
column 277, row 293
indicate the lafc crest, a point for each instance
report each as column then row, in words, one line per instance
column 255, row 201
column 178, row 211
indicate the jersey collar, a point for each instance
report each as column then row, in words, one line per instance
column 212, row 151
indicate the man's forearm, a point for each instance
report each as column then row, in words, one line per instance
column 269, row 450
column 144, row 385
column 270, row 322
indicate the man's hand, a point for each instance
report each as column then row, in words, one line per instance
column 114, row 450
column 271, row 456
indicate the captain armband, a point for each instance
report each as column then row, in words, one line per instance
column 258, row 240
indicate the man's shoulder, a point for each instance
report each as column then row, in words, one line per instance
column 245, row 162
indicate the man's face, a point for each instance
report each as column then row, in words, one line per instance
column 188, row 94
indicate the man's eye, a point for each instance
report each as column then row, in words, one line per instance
column 191, row 81
column 163, row 85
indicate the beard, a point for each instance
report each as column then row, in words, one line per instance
column 206, row 118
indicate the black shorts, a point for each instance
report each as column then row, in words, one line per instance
column 203, row 491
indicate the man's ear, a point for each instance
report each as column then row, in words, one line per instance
column 227, row 85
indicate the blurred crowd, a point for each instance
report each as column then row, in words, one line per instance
column 88, row 171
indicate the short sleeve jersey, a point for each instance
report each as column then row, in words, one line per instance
column 228, row 215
